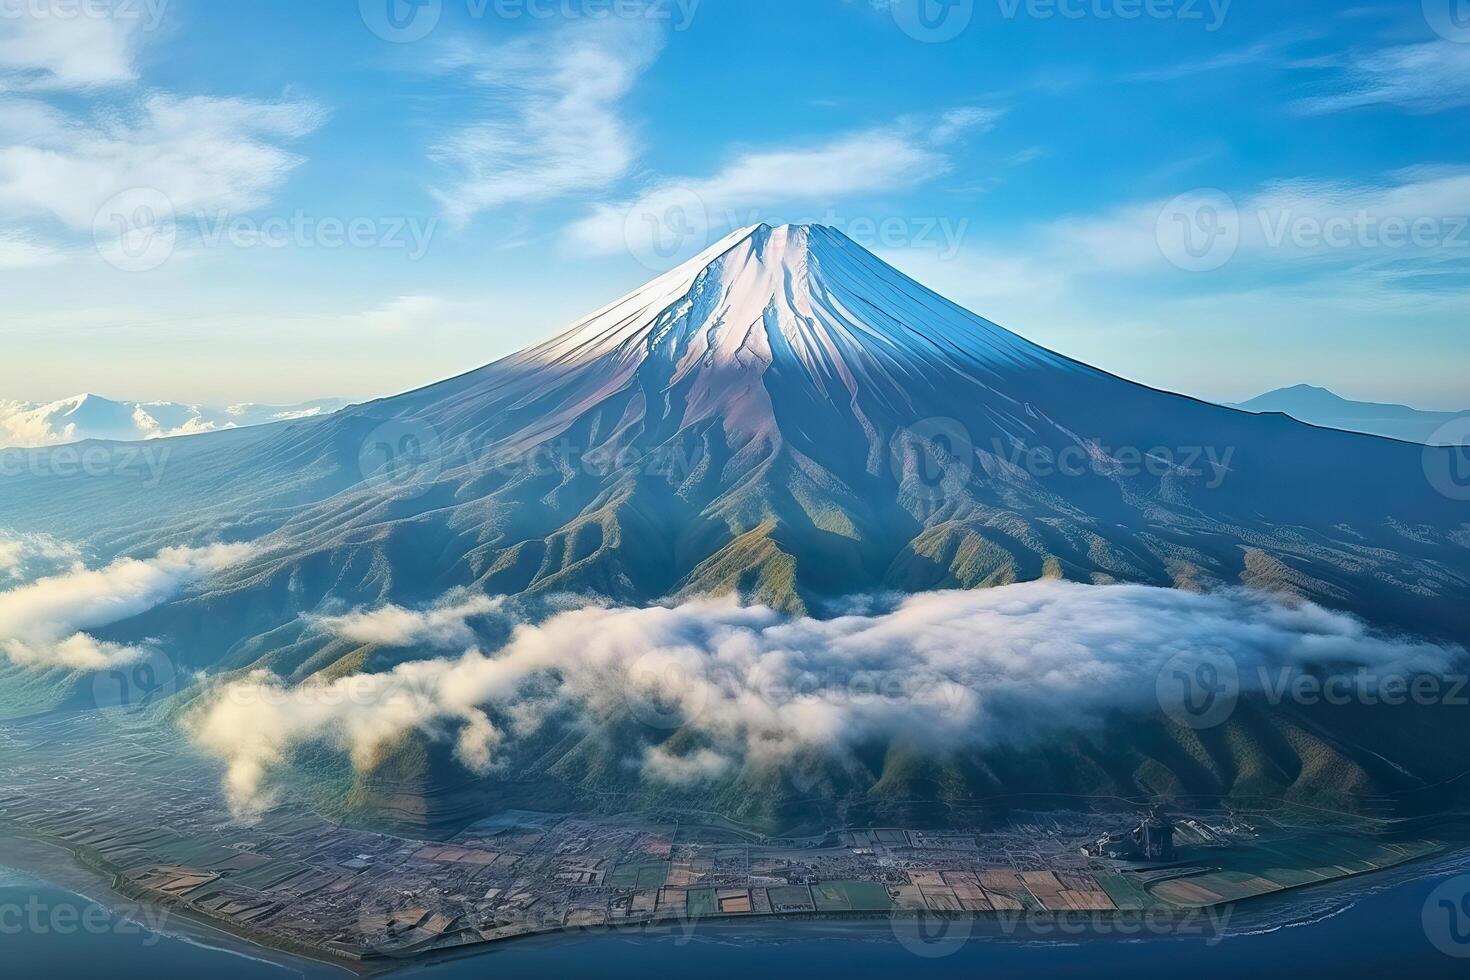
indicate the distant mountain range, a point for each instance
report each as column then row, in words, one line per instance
column 1318, row 406
column 34, row 424
column 788, row 418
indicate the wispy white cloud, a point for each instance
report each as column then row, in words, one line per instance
column 202, row 154
column 746, row 686
column 955, row 123
column 553, row 122
column 1262, row 52
column 1430, row 77
column 22, row 554
column 898, row 157
column 406, row 313
column 18, row 251
column 43, row 624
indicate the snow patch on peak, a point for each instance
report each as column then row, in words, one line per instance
column 797, row 295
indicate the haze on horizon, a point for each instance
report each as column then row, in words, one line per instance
column 522, row 171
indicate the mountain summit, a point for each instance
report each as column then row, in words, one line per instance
column 803, row 294
column 770, row 322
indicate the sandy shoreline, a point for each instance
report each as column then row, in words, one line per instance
column 56, row 867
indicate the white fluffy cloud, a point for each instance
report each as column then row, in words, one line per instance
column 753, row 686
column 60, row 44
column 203, row 154
column 444, row 626
column 78, row 133
column 43, row 624
column 553, row 122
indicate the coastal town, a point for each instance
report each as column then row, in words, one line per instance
column 149, row 818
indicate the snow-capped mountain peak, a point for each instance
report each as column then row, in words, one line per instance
column 789, row 307
column 89, row 416
column 804, row 292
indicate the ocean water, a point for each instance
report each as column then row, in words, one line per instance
column 1374, row 932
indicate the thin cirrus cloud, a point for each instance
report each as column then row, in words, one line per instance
column 1421, row 78
column 44, row 624
column 898, row 157
column 748, row 686
column 1410, row 215
column 22, row 251
column 552, row 119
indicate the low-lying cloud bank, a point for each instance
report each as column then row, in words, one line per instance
column 445, row 626
column 939, row 670
column 43, row 624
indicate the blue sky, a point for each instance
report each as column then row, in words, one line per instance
column 273, row 200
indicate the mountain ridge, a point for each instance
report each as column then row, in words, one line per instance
column 1321, row 406
column 88, row 416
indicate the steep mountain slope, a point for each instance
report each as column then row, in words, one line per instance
column 87, row 416
column 1319, row 406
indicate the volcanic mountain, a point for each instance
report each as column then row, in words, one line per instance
column 790, row 418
